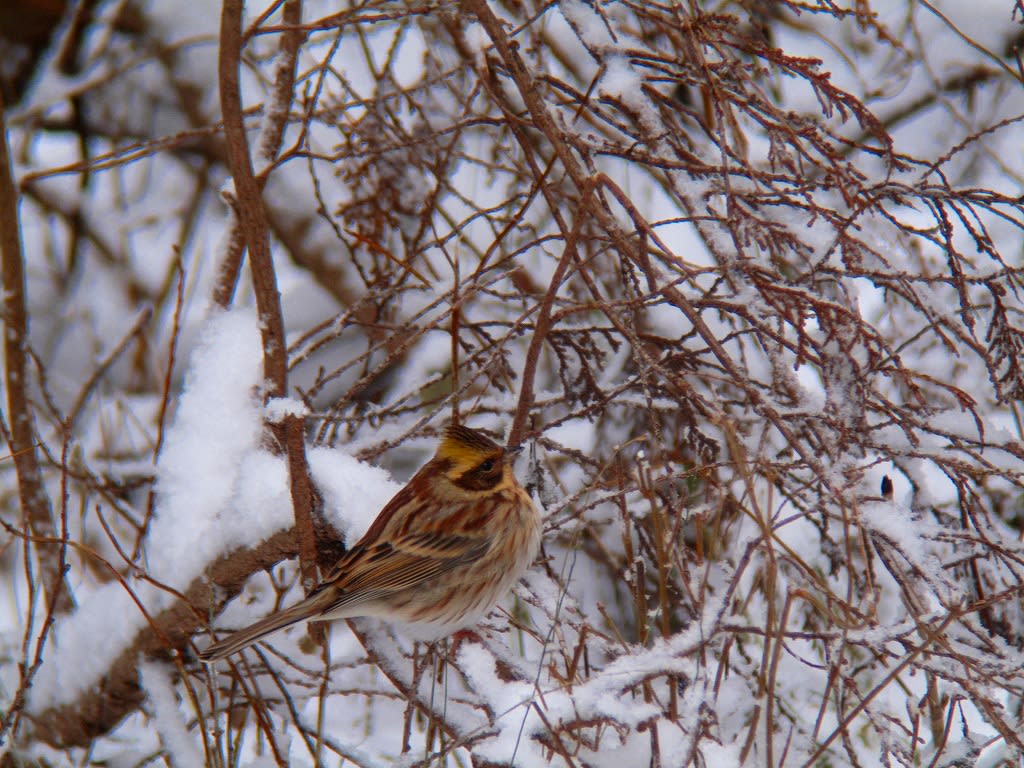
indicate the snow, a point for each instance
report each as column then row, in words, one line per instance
column 478, row 42
column 217, row 426
column 82, row 649
column 511, row 701
column 354, row 492
column 169, row 719
column 591, row 29
column 577, row 434
column 278, row 409
column 261, row 504
column 621, row 81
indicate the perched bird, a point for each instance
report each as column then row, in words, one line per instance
column 440, row 554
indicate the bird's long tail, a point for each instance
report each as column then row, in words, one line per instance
column 243, row 638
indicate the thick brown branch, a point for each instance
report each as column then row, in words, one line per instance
column 98, row 711
column 289, row 435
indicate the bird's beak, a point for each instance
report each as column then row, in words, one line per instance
column 513, row 450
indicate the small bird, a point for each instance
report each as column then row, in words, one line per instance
column 440, row 554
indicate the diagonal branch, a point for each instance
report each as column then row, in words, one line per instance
column 97, row 711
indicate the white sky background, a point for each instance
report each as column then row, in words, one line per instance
column 219, row 488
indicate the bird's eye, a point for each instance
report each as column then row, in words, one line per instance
column 487, row 466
